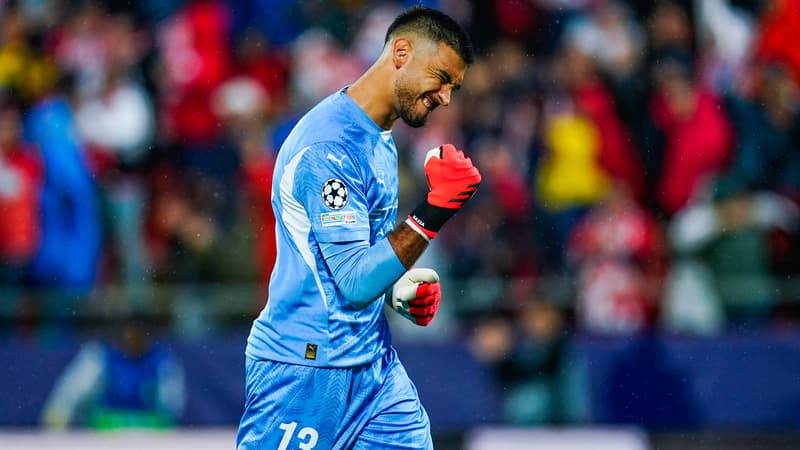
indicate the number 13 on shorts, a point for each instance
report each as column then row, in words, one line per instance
column 307, row 436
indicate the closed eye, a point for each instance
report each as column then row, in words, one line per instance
column 445, row 78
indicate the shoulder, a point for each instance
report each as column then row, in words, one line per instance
column 325, row 120
column 331, row 157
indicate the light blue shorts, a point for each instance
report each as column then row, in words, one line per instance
column 374, row 406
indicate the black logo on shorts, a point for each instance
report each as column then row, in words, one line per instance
column 334, row 194
column 311, row 351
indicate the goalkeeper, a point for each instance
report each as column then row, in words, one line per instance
column 320, row 369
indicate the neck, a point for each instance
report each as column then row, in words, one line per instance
column 373, row 93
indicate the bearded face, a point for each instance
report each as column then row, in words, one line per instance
column 410, row 105
column 426, row 81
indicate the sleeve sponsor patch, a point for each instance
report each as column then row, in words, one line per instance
column 334, row 194
column 333, row 219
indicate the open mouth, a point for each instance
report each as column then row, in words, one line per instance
column 429, row 103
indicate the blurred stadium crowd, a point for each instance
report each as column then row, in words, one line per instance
column 641, row 160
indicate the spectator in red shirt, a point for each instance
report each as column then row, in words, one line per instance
column 618, row 252
column 195, row 57
column 778, row 34
column 617, row 154
column 20, row 189
column 698, row 138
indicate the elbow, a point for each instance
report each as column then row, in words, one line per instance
column 357, row 299
column 360, row 304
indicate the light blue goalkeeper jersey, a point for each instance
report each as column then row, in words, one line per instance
column 335, row 181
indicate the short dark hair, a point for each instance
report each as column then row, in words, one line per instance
column 436, row 26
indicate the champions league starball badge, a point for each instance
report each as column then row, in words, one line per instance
column 334, row 194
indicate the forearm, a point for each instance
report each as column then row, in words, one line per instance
column 78, row 383
column 694, row 227
column 407, row 244
column 362, row 272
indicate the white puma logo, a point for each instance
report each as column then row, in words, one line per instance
column 337, row 160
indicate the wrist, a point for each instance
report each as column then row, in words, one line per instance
column 426, row 234
column 428, row 219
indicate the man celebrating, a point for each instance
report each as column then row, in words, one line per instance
column 321, row 372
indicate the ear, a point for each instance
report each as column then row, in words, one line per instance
column 401, row 52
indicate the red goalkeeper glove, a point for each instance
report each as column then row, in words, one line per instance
column 416, row 295
column 452, row 180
